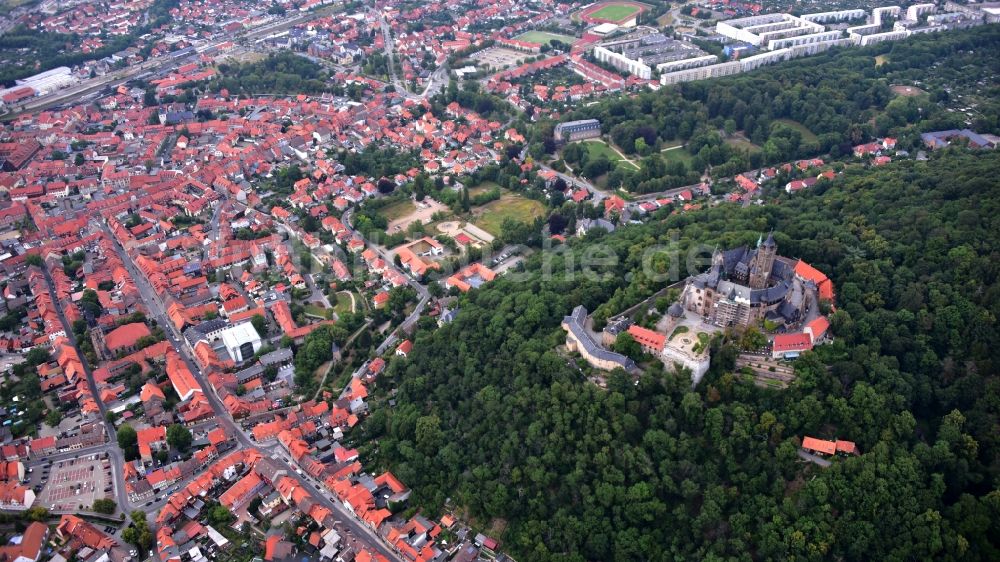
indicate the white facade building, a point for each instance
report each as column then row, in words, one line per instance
column 834, row 17
column 623, row 63
column 242, row 341
column 914, row 12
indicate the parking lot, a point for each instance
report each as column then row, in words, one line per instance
column 74, row 483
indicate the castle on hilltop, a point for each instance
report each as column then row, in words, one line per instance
column 745, row 286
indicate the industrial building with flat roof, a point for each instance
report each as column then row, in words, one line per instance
column 49, row 81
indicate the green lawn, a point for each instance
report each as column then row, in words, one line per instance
column 597, row 148
column 744, row 144
column 544, row 37
column 343, row 305
column 312, row 309
column 807, row 135
column 615, row 12
column 676, row 155
column 483, row 188
column 512, row 206
column 397, row 210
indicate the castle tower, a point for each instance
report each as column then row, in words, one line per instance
column 760, row 267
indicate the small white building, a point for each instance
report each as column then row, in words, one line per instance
column 241, row 341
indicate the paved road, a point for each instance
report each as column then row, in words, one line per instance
column 813, row 458
column 404, row 326
column 438, row 80
column 390, row 53
column 666, row 193
column 155, row 305
column 598, row 193
column 114, row 453
column 66, row 455
column 421, row 290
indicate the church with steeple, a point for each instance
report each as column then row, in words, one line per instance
column 747, row 285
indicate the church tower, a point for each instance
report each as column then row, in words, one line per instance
column 760, row 267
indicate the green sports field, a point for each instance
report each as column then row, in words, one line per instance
column 614, row 12
column 511, row 206
column 544, row 37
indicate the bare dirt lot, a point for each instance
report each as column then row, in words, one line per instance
column 499, row 58
column 422, row 213
column 454, row 228
column 907, row 91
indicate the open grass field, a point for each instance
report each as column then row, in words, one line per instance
column 744, row 144
column 614, row 12
column 807, row 135
column 597, row 148
column 490, row 217
column 483, row 188
column 397, row 210
column 317, row 311
column 880, row 60
column 345, row 303
column 544, row 37
column 678, row 154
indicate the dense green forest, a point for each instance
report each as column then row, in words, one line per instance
column 491, row 415
column 280, row 73
column 822, row 104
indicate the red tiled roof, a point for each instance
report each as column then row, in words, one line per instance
column 817, row 328
column 846, row 447
column 180, row 376
column 819, row 445
column 240, row 491
column 125, row 336
column 792, row 342
column 647, row 338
